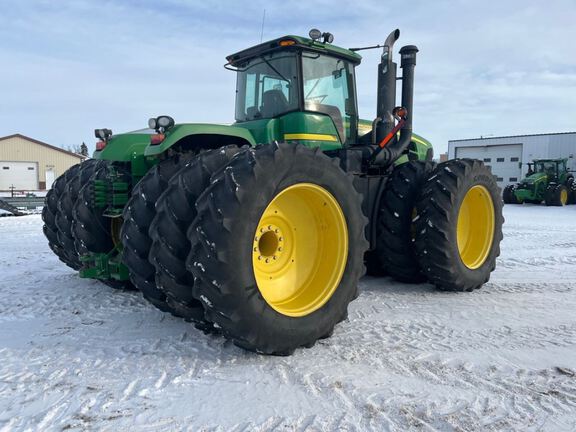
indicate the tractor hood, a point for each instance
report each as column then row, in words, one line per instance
column 533, row 178
column 123, row 147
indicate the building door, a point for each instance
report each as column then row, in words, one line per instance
column 504, row 160
column 50, row 177
column 20, row 175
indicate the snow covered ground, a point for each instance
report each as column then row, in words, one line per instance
column 76, row 355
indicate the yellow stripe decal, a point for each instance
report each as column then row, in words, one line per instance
column 417, row 140
column 311, row 137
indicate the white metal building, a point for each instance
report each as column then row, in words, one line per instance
column 508, row 156
column 29, row 164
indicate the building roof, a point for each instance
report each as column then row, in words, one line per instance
column 512, row 136
column 17, row 135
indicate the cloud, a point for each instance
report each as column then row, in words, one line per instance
column 483, row 68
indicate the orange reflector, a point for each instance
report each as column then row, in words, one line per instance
column 287, row 42
column 100, row 145
column 156, row 139
column 400, row 112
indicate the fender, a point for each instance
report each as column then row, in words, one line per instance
column 183, row 134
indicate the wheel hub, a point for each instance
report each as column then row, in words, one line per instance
column 268, row 243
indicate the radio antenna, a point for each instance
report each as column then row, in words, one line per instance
column 262, row 29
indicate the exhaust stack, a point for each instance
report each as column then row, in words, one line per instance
column 386, row 96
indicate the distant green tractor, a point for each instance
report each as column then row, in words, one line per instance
column 547, row 180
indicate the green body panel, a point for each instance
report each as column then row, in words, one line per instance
column 420, row 149
column 308, row 128
column 181, row 131
column 128, row 147
column 306, row 124
column 123, row 147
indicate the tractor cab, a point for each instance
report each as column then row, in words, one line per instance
column 554, row 169
column 295, row 88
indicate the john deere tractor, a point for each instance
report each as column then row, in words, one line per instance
column 547, row 180
column 261, row 230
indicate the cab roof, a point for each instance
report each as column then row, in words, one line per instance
column 550, row 160
column 290, row 42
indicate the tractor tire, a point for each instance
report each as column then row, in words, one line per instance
column 394, row 249
column 50, row 214
column 373, row 266
column 93, row 232
column 508, row 195
column 459, row 229
column 556, row 195
column 278, row 248
column 169, row 248
column 138, row 215
column 64, row 217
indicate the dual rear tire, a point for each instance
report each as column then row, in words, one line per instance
column 265, row 244
column 459, row 225
column 440, row 223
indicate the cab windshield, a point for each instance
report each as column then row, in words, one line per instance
column 329, row 89
column 267, row 86
column 548, row 168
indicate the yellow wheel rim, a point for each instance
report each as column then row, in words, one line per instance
column 563, row 196
column 300, row 249
column 475, row 230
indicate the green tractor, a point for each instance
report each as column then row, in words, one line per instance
column 261, row 230
column 547, row 180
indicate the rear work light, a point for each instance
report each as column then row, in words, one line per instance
column 156, row 139
column 100, row 145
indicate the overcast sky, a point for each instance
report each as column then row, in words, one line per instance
column 484, row 67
